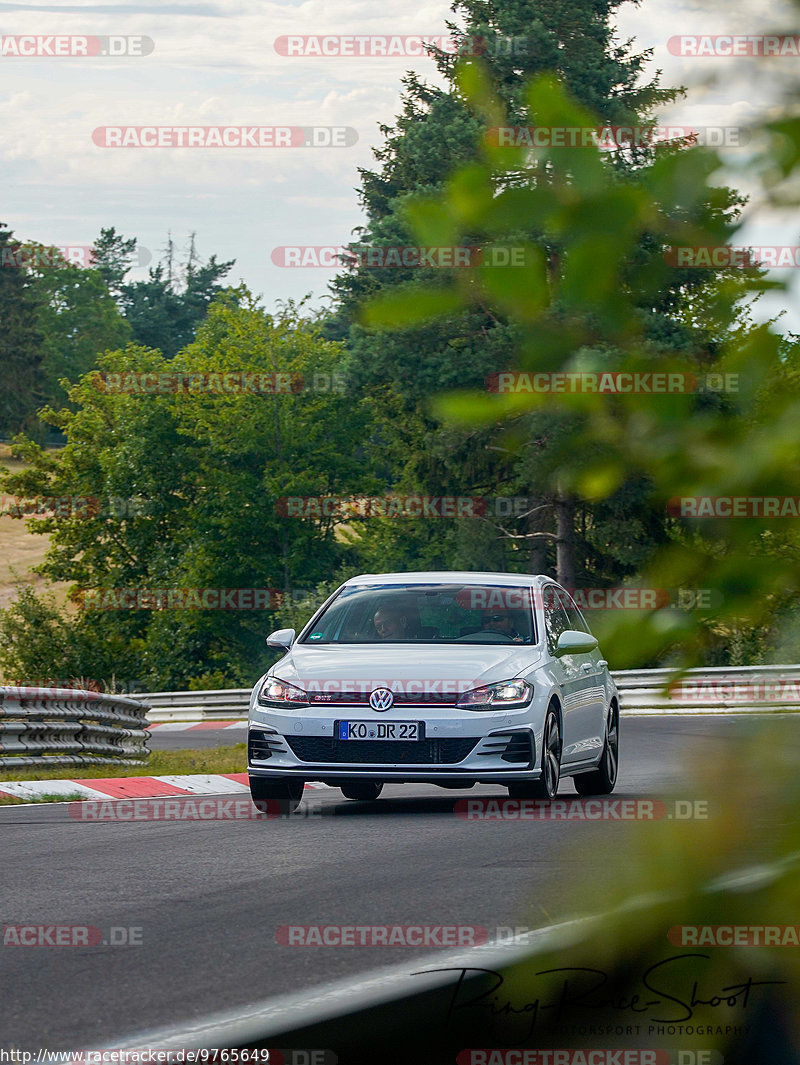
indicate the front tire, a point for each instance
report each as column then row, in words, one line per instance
column 547, row 786
column 363, row 790
column 603, row 779
column 285, row 793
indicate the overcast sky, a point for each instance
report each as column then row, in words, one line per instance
column 215, row 64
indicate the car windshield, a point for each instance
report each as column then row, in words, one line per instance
column 425, row 613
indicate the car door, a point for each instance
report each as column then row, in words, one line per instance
column 592, row 667
column 572, row 681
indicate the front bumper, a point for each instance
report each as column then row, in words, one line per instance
column 458, row 747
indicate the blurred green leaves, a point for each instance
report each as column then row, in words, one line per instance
column 592, row 244
column 409, row 307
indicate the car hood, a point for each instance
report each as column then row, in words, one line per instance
column 468, row 665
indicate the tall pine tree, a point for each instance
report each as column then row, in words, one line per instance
column 434, row 135
column 22, row 377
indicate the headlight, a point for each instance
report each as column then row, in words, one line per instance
column 505, row 695
column 276, row 692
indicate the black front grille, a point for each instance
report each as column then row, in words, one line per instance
column 319, row 749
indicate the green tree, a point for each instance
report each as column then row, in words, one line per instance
column 436, row 134
column 189, row 489
column 113, row 256
column 732, row 444
column 77, row 319
column 22, row 383
column 166, row 309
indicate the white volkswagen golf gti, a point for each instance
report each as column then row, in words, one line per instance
column 437, row 678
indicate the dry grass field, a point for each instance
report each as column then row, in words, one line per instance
column 20, row 549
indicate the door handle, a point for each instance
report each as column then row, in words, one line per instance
column 602, row 662
column 587, row 667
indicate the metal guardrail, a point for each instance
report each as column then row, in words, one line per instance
column 67, row 726
column 718, row 689
column 220, row 703
column 710, row 690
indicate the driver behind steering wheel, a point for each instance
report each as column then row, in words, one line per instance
column 502, row 622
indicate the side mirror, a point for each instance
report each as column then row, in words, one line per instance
column 281, row 639
column 572, row 642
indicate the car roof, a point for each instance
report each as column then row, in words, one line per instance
column 516, row 580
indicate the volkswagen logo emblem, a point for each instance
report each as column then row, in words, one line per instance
column 381, row 699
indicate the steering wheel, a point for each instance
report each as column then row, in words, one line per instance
column 485, row 637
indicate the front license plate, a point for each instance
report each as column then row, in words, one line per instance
column 379, row 730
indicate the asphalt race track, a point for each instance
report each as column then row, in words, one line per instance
column 165, row 739
column 207, row 897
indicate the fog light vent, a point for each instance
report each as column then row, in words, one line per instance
column 519, row 749
column 260, row 745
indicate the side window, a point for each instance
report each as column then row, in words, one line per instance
column 574, row 615
column 555, row 617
